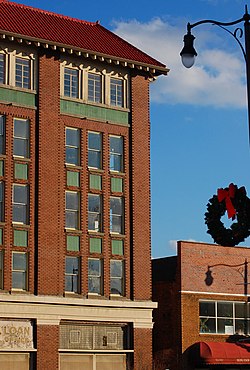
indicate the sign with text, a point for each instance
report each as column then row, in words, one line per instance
column 16, row 335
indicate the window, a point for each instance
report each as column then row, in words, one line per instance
column 2, row 134
column 72, row 210
column 95, row 150
column 19, row 270
column 116, row 92
column 72, row 274
column 1, row 201
column 116, row 215
column 21, row 138
column 94, row 88
column 1, row 269
column 71, row 83
column 116, row 277
column 224, row 317
column 116, row 153
column 94, row 212
column 20, row 204
column 22, row 73
column 95, row 276
column 2, row 68
column 72, row 146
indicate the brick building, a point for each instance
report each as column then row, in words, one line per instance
column 75, row 258
column 202, row 320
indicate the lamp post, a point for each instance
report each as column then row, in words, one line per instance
column 188, row 53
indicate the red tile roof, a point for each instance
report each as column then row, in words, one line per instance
column 42, row 25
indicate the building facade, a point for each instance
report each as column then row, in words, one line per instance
column 202, row 320
column 75, row 258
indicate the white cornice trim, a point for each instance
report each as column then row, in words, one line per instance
column 211, row 293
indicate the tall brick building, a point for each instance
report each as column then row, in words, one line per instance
column 75, row 259
column 203, row 316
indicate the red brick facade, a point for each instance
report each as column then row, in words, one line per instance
column 61, row 318
column 200, row 272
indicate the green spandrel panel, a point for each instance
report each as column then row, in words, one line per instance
column 73, row 243
column 19, row 97
column 73, row 178
column 116, row 185
column 21, row 171
column 95, row 182
column 117, row 247
column 1, row 236
column 95, row 245
column 90, row 111
column 1, row 168
column 20, row 238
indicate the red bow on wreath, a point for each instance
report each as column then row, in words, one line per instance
column 227, row 195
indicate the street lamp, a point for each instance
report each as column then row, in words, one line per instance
column 188, row 53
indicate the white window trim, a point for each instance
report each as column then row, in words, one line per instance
column 27, row 205
column 99, row 151
column 12, row 71
column 77, row 211
column 26, row 271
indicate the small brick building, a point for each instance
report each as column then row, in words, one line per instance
column 75, row 256
column 202, row 320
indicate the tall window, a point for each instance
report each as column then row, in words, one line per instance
column 116, row 153
column 2, row 68
column 23, row 73
column 224, row 317
column 71, row 82
column 1, row 268
column 1, row 201
column 19, row 270
column 2, row 134
column 116, row 277
column 94, row 212
column 21, row 138
column 20, row 205
column 72, row 210
column 72, row 146
column 94, row 88
column 95, row 275
column 72, row 274
column 95, row 150
column 116, row 215
column 116, row 92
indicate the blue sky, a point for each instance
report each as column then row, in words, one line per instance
column 199, row 125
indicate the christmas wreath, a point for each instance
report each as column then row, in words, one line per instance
column 234, row 200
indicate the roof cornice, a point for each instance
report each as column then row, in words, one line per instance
column 150, row 69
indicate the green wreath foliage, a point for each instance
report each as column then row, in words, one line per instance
column 240, row 229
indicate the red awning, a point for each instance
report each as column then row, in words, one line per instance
column 215, row 353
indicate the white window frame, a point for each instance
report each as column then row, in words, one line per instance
column 97, row 214
column 22, row 271
column 95, row 75
column 1, row 201
column 75, row 147
column 216, row 317
column 2, row 134
column 72, row 211
column 5, row 67
column 74, row 274
column 20, row 203
column 24, row 139
column 98, row 151
column 1, row 269
column 113, row 154
column 119, row 216
column 95, row 276
column 117, row 278
column 73, row 86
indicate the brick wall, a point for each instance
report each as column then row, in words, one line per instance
column 140, row 189
column 142, row 347
column 50, row 197
column 47, row 347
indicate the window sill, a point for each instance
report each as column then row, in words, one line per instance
column 101, row 105
column 117, row 235
column 9, row 87
column 19, row 225
column 21, row 159
column 72, row 166
column 72, row 295
column 92, row 232
column 72, row 231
